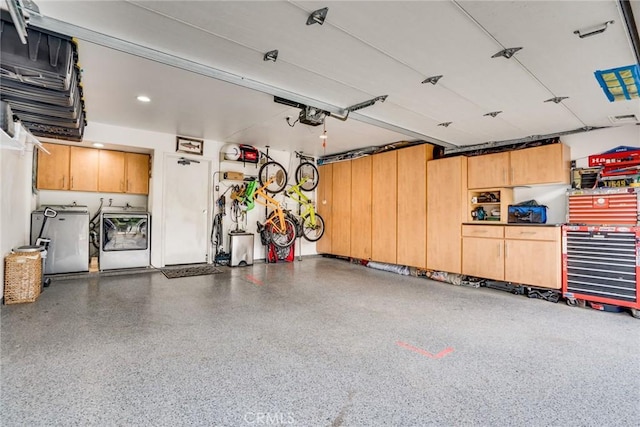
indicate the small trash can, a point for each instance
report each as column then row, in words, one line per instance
column 241, row 249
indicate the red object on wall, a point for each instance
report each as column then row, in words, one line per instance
column 624, row 155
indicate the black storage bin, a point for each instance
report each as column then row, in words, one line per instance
column 46, row 60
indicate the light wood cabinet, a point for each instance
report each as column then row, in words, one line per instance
column 111, row 172
column 446, row 206
column 541, row 165
column 53, row 169
column 488, row 170
column 547, row 164
column 491, row 200
column 412, row 205
column 136, row 173
column 83, row 166
column 483, row 251
column 533, row 256
column 87, row 169
column 341, row 224
column 324, row 206
column 384, row 207
column 361, row 208
column 525, row 255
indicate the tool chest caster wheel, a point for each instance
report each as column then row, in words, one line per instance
column 635, row 313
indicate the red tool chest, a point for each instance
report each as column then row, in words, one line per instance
column 601, row 264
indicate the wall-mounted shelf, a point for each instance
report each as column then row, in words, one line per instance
column 494, row 202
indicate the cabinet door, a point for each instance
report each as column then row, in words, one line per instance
column 384, row 207
column 325, row 207
column 137, row 173
column 541, row 165
column 53, row 169
column 533, row 262
column 446, row 208
column 412, row 205
column 483, row 257
column 111, row 171
column 361, row 208
column 488, row 170
column 84, row 169
column 341, row 220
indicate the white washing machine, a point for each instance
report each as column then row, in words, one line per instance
column 125, row 241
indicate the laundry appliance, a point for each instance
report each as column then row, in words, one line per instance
column 125, row 241
column 68, row 232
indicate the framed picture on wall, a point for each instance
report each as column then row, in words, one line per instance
column 189, row 145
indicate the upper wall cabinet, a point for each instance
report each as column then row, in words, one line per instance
column 53, row 168
column 111, row 172
column 136, row 173
column 83, row 164
column 548, row 164
column 87, row 169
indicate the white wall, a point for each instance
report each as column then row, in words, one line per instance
column 161, row 144
column 582, row 146
column 15, row 201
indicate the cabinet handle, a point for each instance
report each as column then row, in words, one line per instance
column 504, row 175
column 506, row 250
column 479, row 231
column 127, row 185
column 527, row 232
column 63, row 177
column 499, row 250
column 512, row 175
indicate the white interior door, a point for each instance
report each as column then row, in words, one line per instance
column 186, row 208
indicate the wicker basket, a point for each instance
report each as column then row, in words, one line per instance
column 22, row 277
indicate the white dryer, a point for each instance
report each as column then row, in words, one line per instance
column 125, row 241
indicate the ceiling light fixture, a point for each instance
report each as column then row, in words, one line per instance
column 507, row 52
column 599, row 29
column 97, row 145
column 445, row 124
column 557, row 99
column 318, row 16
column 143, row 98
column 272, row 55
column 433, row 80
column 492, row 114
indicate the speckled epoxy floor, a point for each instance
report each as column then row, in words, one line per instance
column 319, row 342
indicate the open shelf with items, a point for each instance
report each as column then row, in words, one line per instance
column 489, row 204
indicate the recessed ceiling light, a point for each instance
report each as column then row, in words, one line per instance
column 97, row 145
column 143, row 98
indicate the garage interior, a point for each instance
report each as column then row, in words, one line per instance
column 427, row 122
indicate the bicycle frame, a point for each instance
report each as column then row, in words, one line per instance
column 304, row 201
column 269, row 201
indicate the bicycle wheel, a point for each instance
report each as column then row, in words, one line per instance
column 274, row 172
column 282, row 240
column 313, row 233
column 310, row 172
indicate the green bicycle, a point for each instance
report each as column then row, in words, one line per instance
column 309, row 224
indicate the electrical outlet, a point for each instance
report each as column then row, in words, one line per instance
column 217, row 188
